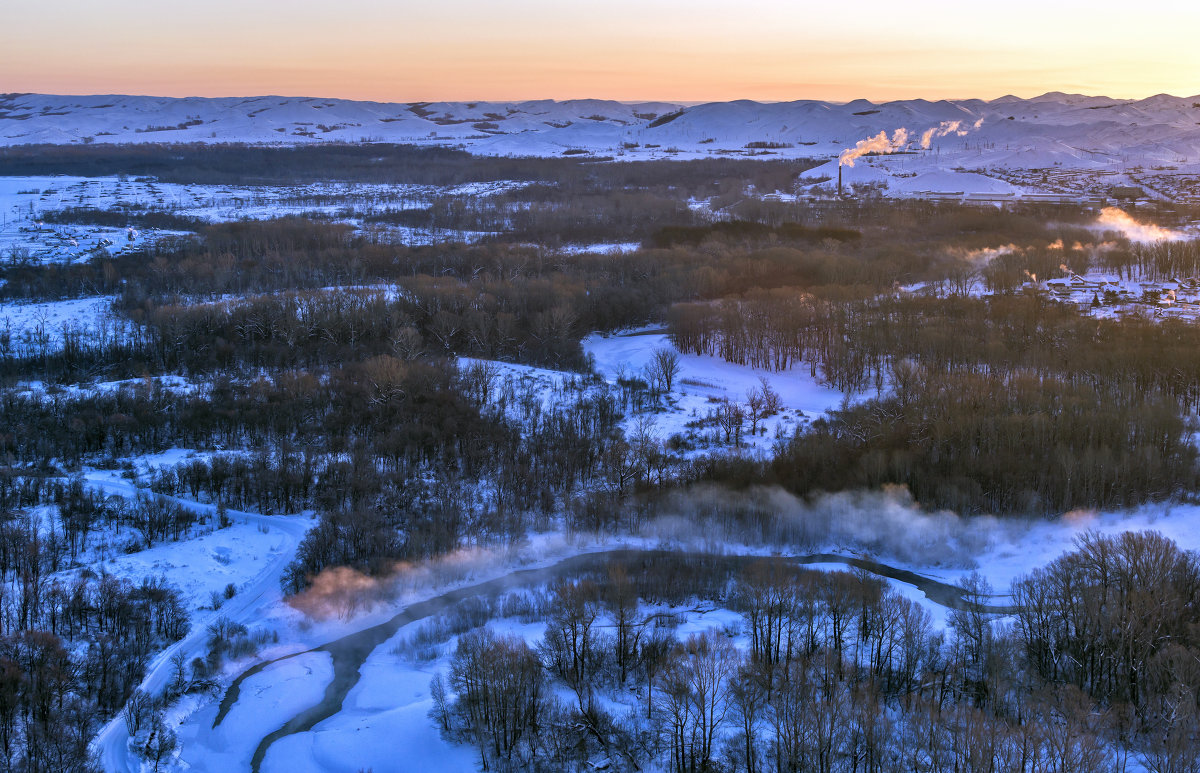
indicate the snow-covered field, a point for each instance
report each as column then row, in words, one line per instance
column 32, row 327
column 205, row 564
column 704, row 381
column 24, row 236
column 22, row 198
column 601, row 248
column 388, row 710
column 267, row 700
column 25, row 202
column 41, row 389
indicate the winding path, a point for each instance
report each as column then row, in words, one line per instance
column 112, row 743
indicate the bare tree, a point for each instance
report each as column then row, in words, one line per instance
column 663, row 369
column 621, row 598
column 694, row 690
column 754, row 409
column 139, row 710
column 571, row 649
column 772, row 403
column 498, row 682
column 161, row 744
column 729, row 417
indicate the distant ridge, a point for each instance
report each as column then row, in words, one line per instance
column 1051, row 130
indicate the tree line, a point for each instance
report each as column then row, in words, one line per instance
column 1005, row 404
column 835, row 671
column 73, row 647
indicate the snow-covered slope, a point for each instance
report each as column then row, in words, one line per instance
column 1059, row 144
column 41, row 118
column 1054, row 129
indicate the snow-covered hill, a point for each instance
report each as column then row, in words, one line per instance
column 1057, row 144
column 41, row 118
column 1073, row 131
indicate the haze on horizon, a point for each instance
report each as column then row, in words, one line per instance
column 461, row 50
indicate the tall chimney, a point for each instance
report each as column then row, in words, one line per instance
column 839, row 181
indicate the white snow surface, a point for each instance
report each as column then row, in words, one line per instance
column 280, row 690
column 601, row 248
column 28, row 327
column 388, row 709
column 1054, row 131
column 25, row 201
column 252, row 554
column 703, row 381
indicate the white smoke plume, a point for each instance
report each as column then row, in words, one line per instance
column 945, row 129
column 1113, row 219
column 1095, row 248
column 987, row 254
column 880, row 143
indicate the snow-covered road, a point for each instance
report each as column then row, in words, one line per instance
column 111, row 744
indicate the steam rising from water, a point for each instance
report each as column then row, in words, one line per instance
column 887, row 524
column 342, row 592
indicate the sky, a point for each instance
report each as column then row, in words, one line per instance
column 696, row 51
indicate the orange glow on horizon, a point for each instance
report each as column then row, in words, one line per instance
column 465, row 50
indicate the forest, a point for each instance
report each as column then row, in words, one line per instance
column 841, row 673
column 321, row 365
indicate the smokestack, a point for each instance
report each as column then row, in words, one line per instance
column 839, row 181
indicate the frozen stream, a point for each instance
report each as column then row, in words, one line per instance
column 349, row 652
